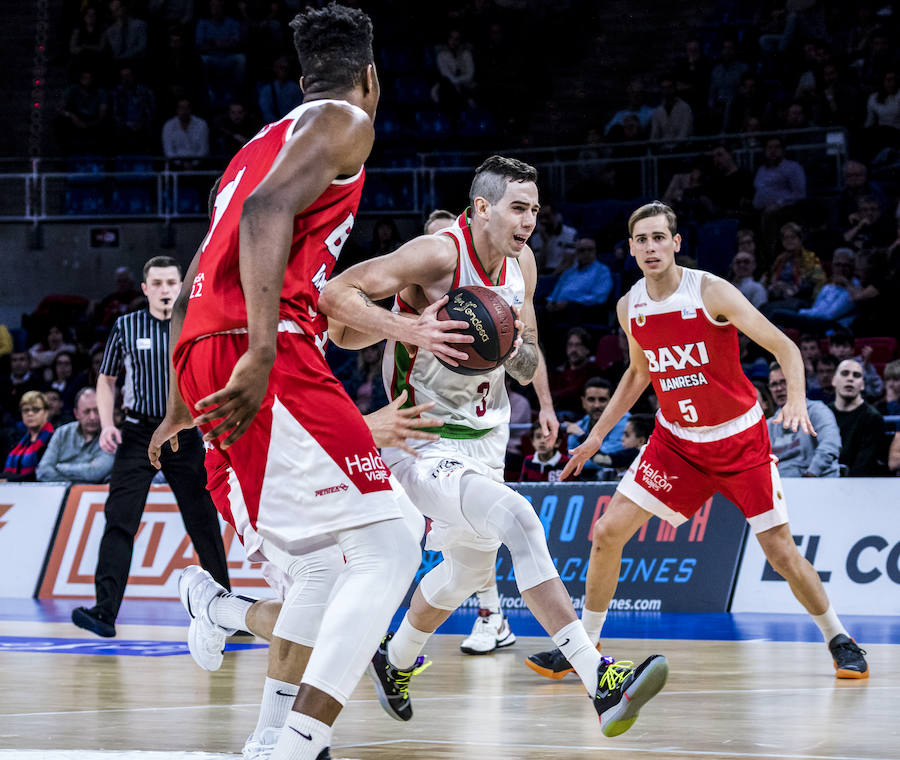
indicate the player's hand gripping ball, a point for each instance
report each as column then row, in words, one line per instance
column 491, row 323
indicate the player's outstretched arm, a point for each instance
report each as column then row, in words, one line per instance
column 524, row 361
column 628, row 391
column 349, row 299
column 725, row 302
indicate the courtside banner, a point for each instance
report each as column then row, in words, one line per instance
column 688, row 569
column 28, row 513
column 161, row 549
column 849, row 529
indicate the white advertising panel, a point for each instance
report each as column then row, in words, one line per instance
column 28, row 512
column 849, row 529
column 161, row 549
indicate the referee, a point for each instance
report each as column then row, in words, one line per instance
column 139, row 342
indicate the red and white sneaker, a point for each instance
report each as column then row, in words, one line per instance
column 491, row 631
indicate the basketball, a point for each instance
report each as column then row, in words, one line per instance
column 491, row 322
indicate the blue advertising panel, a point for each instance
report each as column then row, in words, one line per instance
column 691, row 568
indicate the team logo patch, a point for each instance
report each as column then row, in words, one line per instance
column 445, row 467
column 688, row 313
column 640, row 319
column 340, row 488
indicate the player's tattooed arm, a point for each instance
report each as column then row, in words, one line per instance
column 524, row 362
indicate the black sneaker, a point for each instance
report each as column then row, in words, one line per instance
column 552, row 664
column 92, row 620
column 849, row 661
column 637, row 685
column 324, row 755
column 391, row 684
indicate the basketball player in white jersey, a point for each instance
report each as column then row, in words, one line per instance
column 457, row 481
column 710, row 433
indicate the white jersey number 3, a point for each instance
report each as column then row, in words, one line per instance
column 688, row 410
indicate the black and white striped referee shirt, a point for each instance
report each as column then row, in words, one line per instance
column 139, row 343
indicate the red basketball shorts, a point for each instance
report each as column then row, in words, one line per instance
column 673, row 477
column 307, row 465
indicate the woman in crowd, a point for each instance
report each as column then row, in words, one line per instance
column 43, row 353
column 64, row 379
column 22, row 461
column 796, row 275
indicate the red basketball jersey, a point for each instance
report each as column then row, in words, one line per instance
column 217, row 300
column 694, row 361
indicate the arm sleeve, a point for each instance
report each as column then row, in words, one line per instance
column 95, row 471
column 828, row 441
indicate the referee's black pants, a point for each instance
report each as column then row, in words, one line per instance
column 129, row 484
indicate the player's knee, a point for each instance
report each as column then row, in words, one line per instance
column 604, row 536
column 783, row 557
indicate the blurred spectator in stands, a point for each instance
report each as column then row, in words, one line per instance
column 637, row 107
column 778, row 26
column 133, row 114
column 836, row 102
column 438, row 220
column 22, row 461
column 269, row 35
column 520, row 414
column 117, row 303
column 168, row 13
column 126, row 38
column 364, row 384
column 455, row 89
column 43, row 353
column 730, row 185
column 883, row 115
column 74, row 452
column 220, row 41
column 796, row 274
column 764, row 397
column 810, row 350
column 890, row 404
column 826, row 366
column 553, row 242
column 597, row 392
column 862, row 427
column 673, row 119
column 880, row 60
column 178, row 73
column 18, row 382
column 833, row 306
column 692, row 75
column 801, row 455
column 86, row 42
column 868, row 227
column 856, row 186
column 63, row 379
column 280, row 95
column 81, row 121
column 385, row 237
column 894, row 455
column 795, row 118
column 57, row 414
column 842, row 347
column 815, row 55
column 748, row 102
column 87, row 378
column 582, row 291
column 185, row 137
column 754, row 364
column 779, row 182
column 233, row 130
column 724, row 79
column 743, row 275
column 859, row 37
column 637, row 432
column 689, row 193
column 567, row 381
column 547, row 462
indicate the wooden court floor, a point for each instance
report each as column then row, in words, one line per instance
column 750, row 699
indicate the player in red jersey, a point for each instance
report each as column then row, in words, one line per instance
column 292, row 464
column 710, row 432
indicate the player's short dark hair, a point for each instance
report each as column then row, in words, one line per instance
column 438, row 213
column 654, row 208
column 492, row 177
column 598, row 382
column 334, row 45
column 211, row 202
column 642, row 425
column 161, row 261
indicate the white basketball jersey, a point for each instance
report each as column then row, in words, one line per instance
column 469, row 405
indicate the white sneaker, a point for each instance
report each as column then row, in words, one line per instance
column 261, row 748
column 491, row 631
column 206, row 640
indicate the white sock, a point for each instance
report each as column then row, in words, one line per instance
column 277, row 701
column 577, row 648
column 230, row 611
column 593, row 623
column 302, row 738
column 406, row 645
column 489, row 599
column 829, row 624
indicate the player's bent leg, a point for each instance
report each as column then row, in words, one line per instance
column 778, row 545
column 206, row 638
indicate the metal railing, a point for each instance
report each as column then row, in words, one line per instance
column 52, row 190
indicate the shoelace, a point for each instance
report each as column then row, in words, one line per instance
column 615, row 673
column 851, row 646
column 401, row 678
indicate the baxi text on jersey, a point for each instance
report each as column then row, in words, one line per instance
column 371, row 465
column 677, row 357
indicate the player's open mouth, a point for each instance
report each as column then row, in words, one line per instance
column 165, row 301
column 520, row 239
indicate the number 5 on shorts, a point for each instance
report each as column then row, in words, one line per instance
column 687, row 409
